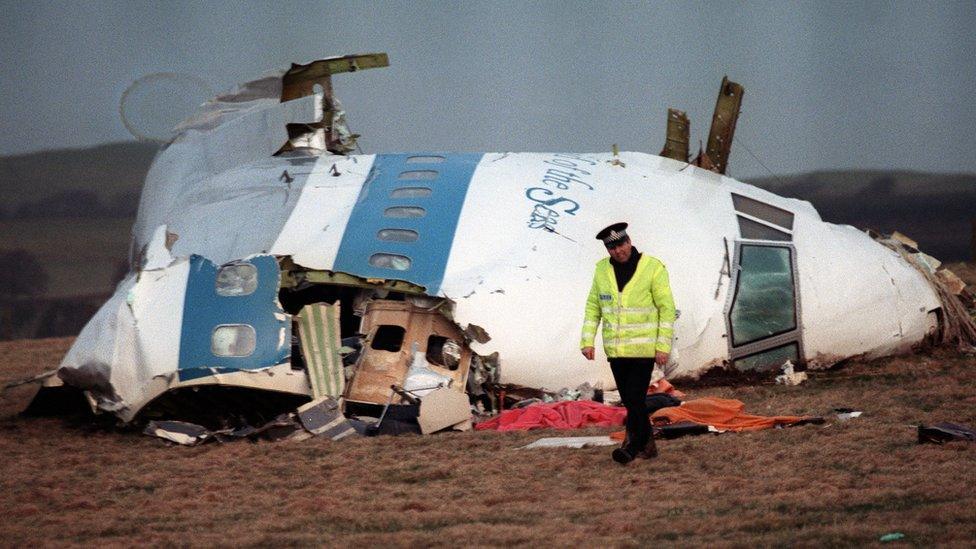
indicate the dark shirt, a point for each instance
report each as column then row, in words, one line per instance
column 625, row 271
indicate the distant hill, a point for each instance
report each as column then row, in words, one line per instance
column 937, row 210
column 102, row 181
column 73, row 209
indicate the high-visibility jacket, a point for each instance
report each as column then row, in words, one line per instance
column 637, row 321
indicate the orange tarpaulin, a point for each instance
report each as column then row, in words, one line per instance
column 723, row 414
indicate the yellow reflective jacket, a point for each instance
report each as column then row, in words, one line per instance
column 638, row 321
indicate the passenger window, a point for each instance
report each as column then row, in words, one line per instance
column 418, row 175
column 764, row 304
column 411, row 192
column 429, row 159
column 237, row 340
column 397, row 235
column 237, row 279
column 769, row 360
column 388, row 337
column 405, row 211
column 390, row 261
column 757, row 231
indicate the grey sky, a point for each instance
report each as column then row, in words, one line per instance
column 828, row 85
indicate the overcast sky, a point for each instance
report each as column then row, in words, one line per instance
column 828, row 85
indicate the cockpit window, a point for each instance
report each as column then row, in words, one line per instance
column 764, row 304
column 769, row 359
column 763, row 211
column 757, row 231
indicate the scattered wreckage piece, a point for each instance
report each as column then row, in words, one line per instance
column 443, row 408
column 437, row 351
column 952, row 282
column 330, row 131
column 677, row 139
column 846, row 414
column 941, row 433
column 321, row 343
column 570, row 442
column 180, row 432
column 283, row 427
column 957, row 324
column 789, row 376
column 727, row 107
column 322, row 417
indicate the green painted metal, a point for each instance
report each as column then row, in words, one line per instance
column 318, row 328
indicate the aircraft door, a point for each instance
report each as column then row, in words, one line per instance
column 762, row 313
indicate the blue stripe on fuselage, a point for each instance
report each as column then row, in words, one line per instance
column 429, row 253
column 204, row 310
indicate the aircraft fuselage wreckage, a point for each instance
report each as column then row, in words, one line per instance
column 267, row 256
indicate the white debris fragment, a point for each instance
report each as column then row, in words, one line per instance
column 158, row 255
column 421, row 380
column 790, row 377
column 570, row 442
column 848, row 414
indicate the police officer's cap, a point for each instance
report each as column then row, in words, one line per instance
column 613, row 235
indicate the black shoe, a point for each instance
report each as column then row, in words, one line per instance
column 622, row 456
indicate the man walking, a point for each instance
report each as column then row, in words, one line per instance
column 632, row 297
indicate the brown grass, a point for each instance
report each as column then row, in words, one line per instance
column 843, row 483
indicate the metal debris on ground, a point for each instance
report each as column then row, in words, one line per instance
column 323, row 417
column 945, row 432
column 443, row 408
column 844, row 414
column 570, row 442
column 180, row 432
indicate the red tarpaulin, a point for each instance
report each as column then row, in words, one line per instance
column 572, row 414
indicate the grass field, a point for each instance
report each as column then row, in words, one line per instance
column 842, row 483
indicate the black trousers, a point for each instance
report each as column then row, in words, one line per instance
column 633, row 376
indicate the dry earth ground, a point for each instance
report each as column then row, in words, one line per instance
column 842, row 483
